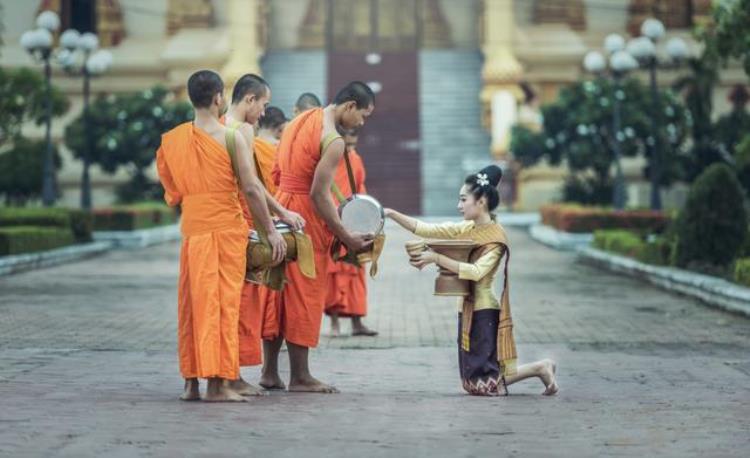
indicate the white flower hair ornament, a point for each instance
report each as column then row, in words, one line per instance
column 482, row 179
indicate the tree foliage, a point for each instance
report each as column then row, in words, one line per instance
column 21, row 169
column 578, row 128
column 22, row 99
column 730, row 32
column 126, row 131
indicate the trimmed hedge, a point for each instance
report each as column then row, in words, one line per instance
column 656, row 250
column 742, row 271
column 712, row 226
column 30, row 239
column 580, row 219
column 133, row 217
column 78, row 221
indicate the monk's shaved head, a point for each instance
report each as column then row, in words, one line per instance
column 203, row 86
column 272, row 119
column 249, row 84
column 357, row 92
column 306, row 101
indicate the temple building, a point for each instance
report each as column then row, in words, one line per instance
column 451, row 76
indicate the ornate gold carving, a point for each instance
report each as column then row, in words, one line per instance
column 312, row 30
column 109, row 24
column 436, row 31
column 189, row 14
column 675, row 14
column 571, row 12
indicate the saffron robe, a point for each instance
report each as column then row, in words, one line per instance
column 196, row 172
column 301, row 304
column 254, row 304
column 258, row 306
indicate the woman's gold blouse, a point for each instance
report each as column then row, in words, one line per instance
column 482, row 272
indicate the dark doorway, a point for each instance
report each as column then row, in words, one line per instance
column 361, row 47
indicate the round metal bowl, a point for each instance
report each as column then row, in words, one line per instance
column 362, row 213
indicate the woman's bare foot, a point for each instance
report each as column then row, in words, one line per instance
column 218, row 391
column 549, row 369
column 243, row 388
column 192, row 391
column 310, row 385
column 271, row 382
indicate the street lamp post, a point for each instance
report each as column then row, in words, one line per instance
column 620, row 63
column 643, row 48
column 39, row 43
column 93, row 63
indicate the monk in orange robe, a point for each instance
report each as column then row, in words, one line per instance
column 250, row 97
column 270, row 128
column 308, row 155
column 347, row 289
column 306, row 101
column 197, row 173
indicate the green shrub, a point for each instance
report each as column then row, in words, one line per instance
column 132, row 217
column 29, row 239
column 742, row 271
column 21, row 169
column 712, row 226
column 626, row 243
column 657, row 252
column 80, row 222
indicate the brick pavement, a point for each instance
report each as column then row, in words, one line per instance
column 87, row 368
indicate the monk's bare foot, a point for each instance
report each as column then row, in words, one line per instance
column 218, row 391
column 243, row 388
column 335, row 326
column 363, row 330
column 192, row 392
column 272, row 382
column 310, row 385
column 549, row 369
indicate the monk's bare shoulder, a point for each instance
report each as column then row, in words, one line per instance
column 248, row 132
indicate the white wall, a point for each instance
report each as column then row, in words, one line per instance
column 145, row 18
column 18, row 17
column 463, row 18
column 284, row 21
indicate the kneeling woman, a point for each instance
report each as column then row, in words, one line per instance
column 487, row 353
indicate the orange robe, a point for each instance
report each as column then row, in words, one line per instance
column 258, row 305
column 303, row 299
column 197, row 174
column 347, row 290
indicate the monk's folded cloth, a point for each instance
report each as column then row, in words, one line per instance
column 340, row 253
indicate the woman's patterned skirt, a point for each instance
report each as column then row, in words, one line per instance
column 480, row 371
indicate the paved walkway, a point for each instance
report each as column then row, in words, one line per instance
column 88, row 368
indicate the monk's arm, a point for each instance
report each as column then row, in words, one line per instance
column 273, row 205
column 320, row 192
column 171, row 196
column 251, row 185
